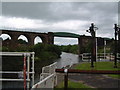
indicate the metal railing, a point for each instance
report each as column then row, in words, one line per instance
column 26, row 68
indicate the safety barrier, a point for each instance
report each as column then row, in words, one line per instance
column 45, row 83
column 24, row 75
column 50, row 68
column 100, row 56
column 118, row 56
column 105, row 56
column 48, row 78
column 86, row 56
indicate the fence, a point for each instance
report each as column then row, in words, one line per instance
column 24, row 75
column 118, row 56
column 48, row 78
column 100, row 56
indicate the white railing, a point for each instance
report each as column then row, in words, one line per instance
column 118, row 56
column 48, row 78
column 45, row 83
column 50, row 68
column 105, row 56
column 27, row 66
column 100, row 56
column 86, row 56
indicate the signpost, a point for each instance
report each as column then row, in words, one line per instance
column 119, row 42
column 115, row 52
column 93, row 34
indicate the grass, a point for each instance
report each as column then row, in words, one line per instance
column 99, row 66
column 71, row 84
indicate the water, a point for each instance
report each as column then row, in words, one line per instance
column 67, row 59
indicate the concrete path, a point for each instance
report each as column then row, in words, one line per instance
column 96, row 81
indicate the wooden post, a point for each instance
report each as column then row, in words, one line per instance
column 66, row 79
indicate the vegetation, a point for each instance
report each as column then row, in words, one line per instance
column 99, row 66
column 87, row 46
column 20, row 41
column 71, row 85
column 70, row 48
column 44, row 54
column 46, row 51
column 42, row 51
column 109, row 47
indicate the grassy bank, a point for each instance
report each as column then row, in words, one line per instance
column 99, row 66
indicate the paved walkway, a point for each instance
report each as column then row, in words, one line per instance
column 92, row 80
column 96, row 81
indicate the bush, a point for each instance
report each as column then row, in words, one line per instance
column 70, row 48
column 42, row 51
column 46, row 51
column 4, row 49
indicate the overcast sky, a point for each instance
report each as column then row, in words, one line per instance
column 74, row 17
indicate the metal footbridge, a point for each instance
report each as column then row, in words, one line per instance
column 66, row 34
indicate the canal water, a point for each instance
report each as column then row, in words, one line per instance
column 65, row 60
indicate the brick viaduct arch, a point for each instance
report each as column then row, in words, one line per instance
column 46, row 38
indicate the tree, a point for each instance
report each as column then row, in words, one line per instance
column 20, row 41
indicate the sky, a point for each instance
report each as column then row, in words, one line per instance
column 73, row 17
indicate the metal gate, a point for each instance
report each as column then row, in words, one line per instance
column 24, row 76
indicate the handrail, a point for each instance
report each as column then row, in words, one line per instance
column 88, row 71
column 45, row 79
column 15, row 72
column 4, row 79
column 15, row 53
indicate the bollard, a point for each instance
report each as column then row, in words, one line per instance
column 66, row 79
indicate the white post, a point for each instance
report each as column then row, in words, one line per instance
column 28, row 70
column 0, row 70
column 96, row 49
column 104, row 49
column 33, row 68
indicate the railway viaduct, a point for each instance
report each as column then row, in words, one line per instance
column 47, row 38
